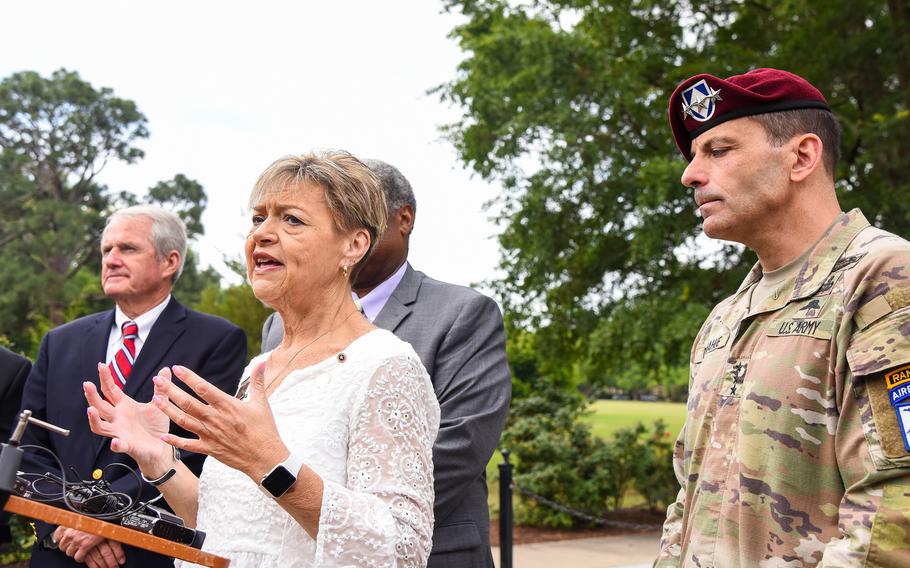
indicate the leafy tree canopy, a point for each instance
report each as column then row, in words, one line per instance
column 564, row 102
column 56, row 135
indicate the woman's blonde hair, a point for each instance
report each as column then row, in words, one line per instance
column 352, row 192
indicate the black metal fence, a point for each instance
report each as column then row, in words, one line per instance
column 505, row 511
column 506, row 521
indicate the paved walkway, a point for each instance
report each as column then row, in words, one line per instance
column 629, row 551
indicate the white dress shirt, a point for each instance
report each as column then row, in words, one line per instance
column 373, row 302
column 144, row 321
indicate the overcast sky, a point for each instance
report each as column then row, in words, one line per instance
column 228, row 87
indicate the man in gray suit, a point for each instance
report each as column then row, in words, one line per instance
column 459, row 336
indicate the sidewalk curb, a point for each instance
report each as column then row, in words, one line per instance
column 625, row 551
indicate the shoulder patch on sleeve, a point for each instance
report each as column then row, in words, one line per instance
column 889, row 428
column 889, row 394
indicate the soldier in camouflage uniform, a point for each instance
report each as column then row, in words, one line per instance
column 796, row 449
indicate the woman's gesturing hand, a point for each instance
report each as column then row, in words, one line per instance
column 135, row 428
column 238, row 433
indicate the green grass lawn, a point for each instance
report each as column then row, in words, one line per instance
column 608, row 416
column 605, row 418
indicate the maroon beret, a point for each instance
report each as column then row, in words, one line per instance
column 702, row 102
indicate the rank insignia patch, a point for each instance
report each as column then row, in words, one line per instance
column 732, row 386
column 699, row 101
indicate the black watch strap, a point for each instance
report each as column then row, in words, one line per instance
column 167, row 475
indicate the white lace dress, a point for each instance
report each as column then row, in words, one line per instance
column 365, row 421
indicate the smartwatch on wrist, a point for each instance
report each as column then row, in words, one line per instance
column 282, row 477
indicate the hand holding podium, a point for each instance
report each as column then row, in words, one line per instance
column 10, row 459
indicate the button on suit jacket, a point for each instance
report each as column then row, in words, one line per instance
column 458, row 334
column 69, row 355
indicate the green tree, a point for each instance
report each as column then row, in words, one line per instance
column 184, row 196
column 56, row 135
column 564, row 102
column 194, row 281
column 237, row 304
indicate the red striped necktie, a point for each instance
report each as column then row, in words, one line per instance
column 123, row 360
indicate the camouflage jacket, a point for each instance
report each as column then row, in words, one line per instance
column 793, row 453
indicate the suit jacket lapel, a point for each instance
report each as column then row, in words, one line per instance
column 162, row 336
column 95, row 351
column 94, row 348
column 398, row 306
column 97, row 337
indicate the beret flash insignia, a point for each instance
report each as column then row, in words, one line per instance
column 699, row 101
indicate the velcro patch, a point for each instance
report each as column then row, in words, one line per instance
column 899, row 298
column 872, row 311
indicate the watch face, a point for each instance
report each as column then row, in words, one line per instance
column 278, row 481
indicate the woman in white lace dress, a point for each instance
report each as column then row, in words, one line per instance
column 324, row 457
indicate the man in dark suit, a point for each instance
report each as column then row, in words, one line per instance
column 13, row 370
column 458, row 334
column 143, row 249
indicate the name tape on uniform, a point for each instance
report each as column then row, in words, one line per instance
column 820, row 329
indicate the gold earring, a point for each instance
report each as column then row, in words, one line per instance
column 344, row 269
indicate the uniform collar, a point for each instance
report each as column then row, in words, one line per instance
column 827, row 252
column 818, row 266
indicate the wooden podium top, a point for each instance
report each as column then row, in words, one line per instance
column 55, row 516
